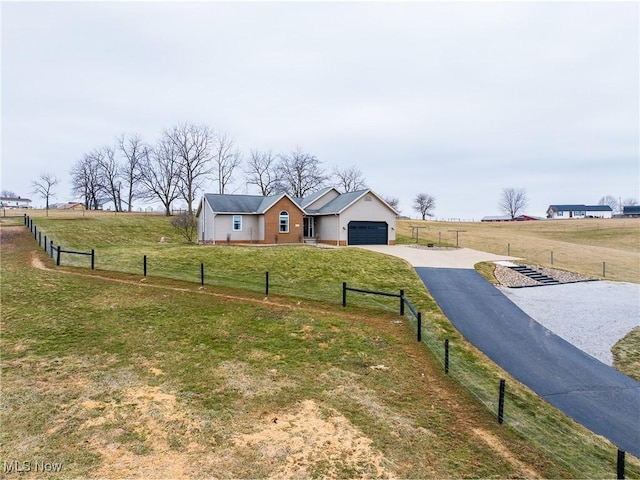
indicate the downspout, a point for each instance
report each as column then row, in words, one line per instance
column 338, row 227
column 204, row 219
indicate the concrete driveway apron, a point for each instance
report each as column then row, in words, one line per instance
column 592, row 393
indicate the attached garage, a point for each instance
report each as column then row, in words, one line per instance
column 368, row 233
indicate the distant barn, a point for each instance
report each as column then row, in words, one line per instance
column 631, row 211
column 507, row 218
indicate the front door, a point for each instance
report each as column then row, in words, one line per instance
column 308, row 224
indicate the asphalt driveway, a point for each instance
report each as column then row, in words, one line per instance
column 592, row 393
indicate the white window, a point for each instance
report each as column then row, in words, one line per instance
column 237, row 223
column 284, row 222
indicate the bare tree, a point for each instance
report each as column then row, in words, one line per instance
column 109, row 174
column 8, row 193
column 85, row 181
column 350, row 179
column 160, row 173
column 134, row 151
column 226, row 159
column 300, row 173
column 192, row 145
column 611, row 201
column 393, row 202
column 43, row 186
column 424, row 204
column 513, row 200
column 629, row 202
column 261, row 171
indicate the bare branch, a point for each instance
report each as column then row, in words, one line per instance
column 513, row 200
column 134, row 151
column 423, row 204
column 160, row 173
column 192, row 144
column 300, row 173
column 350, row 179
column 225, row 159
column 262, row 172
column 43, row 186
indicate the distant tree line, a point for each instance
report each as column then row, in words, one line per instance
column 617, row 205
column 185, row 159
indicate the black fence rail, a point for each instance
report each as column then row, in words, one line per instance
column 431, row 341
column 403, row 301
column 52, row 249
column 500, row 413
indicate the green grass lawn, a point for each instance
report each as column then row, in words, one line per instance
column 163, row 367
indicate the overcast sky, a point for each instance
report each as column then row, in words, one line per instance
column 458, row 100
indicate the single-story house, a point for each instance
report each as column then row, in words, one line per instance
column 631, row 211
column 326, row 216
column 579, row 211
column 14, row 202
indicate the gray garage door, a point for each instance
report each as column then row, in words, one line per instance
column 368, row 233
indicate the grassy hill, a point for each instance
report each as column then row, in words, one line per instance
column 116, row 376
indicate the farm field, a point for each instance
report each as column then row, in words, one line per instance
column 578, row 245
column 221, row 380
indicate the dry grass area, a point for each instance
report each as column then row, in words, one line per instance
column 579, row 246
column 117, row 378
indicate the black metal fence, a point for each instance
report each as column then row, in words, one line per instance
column 404, row 305
column 53, row 250
column 620, row 463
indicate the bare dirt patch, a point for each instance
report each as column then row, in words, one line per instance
column 157, row 427
column 495, row 443
column 36, row 262
column 296, row 444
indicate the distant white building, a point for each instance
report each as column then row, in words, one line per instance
column 15, row 202
column 579, row 211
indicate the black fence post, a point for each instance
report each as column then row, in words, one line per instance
column 45, row 243
column 446, row 355
column 39, row 239
column 344, row 294
column 202, row 274
column 621, row 464
column 419, row 326
column 144, row 265
column 51, row 248
column 35, row 232
column 266, row 283
column 501, row 401
column 93, row 259
column 26, row 219
column 402, row 303
column 58, row 257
